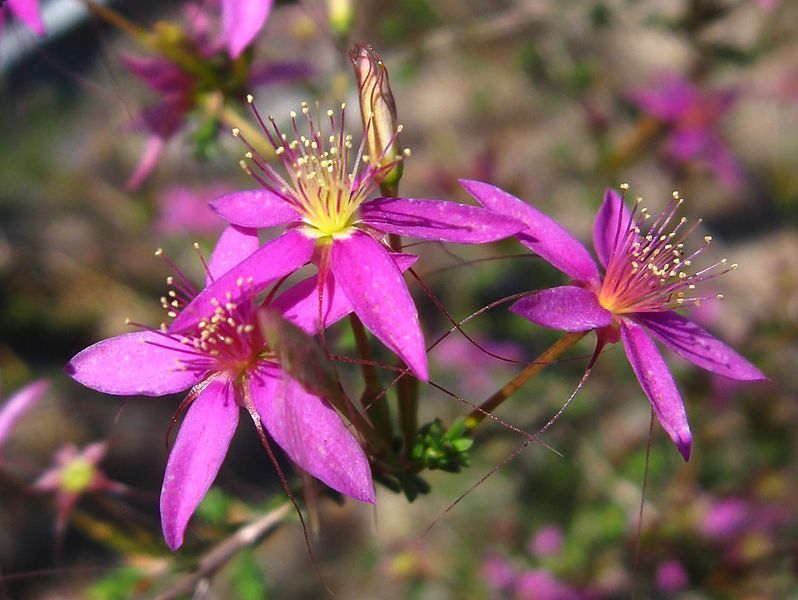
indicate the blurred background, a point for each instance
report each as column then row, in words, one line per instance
column 551, row 100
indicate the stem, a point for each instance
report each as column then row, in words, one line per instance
column 378, row 412
column 541, row 362
column 214, row 106
column 114, row 18
column 218, row 556
column 630, row 147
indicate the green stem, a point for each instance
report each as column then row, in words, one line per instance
column 541, row 362
column 373, row 397
column 214, row 106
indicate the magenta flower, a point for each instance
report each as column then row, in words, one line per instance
column 223, row 357
column 646, row 277
column 327, row 212
column 671, row 577
column 26, row 11
column 540, row 584
column 18, row 405
column 73, row 474
column 547, row 541
column 184, row 210
column 180, row 89
column 694, row 119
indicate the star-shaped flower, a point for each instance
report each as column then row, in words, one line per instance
column 225, row 360
column 324, row 202
column 646, row 276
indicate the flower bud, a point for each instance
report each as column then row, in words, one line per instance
column 378, row 110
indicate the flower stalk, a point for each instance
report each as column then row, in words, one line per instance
column 541, row 362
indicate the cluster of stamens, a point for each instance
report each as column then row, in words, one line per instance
column 647, row 270
column 320, row 185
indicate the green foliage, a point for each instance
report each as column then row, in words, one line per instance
column 248, row 578
column 214, row 507
column 436, row 447
column 118, row 585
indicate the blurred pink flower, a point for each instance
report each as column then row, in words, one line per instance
column 472, row 365
column 671, row 577
column 26, row 11
column 242, row 20
column 183, row 210
column 222, row 355
column 547, row 541
column 646, row 278
column 539, row 584
column 18, row 405
column 179, row 89
column 497, row 572
column 726, row 519
column 694, row 118
column 73, row 474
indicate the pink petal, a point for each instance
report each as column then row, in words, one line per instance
column 271, row 261
column 438, row 220
column 568, row 308
column 146, row 363
column 672, row 96
column 698, row 346
column 374, row 285
column 199, row 450
column 262, row 74
column 254, row 208
column 28, row 12
column 18, row 405
column 242, row 20
column 312, row 434
column 234, row 245
column 158, row 74
column 612, row 221
column 299, row 304
column 544, row 236
column 147, row 162
column 657, row 382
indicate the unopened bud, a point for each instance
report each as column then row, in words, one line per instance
column 378, row 111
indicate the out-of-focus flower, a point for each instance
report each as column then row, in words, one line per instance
column 539, row 584
column 242, row 20
column 647, row 276
column 547, row 541
column 470, row 363
column 75, row 473
column 694, row 118
column 671, row 577
column 18, row 405
column 222, row 355
column 726, row 519
column 184, row 210
column 378, row 112
column 26, row 11
column 497, row 572
column 203, row 66
column 328, row 215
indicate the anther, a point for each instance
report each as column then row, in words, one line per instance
column 235, row 131
column 250, row 98
column 159, row 252
column 624, row 186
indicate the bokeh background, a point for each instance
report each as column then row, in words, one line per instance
column 542, row 98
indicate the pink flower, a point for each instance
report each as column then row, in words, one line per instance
column 221, row 354
column 327, row 212
column 179, row 87
column 671, row 577
column 26, row 11
column 546, row 542
column 183, row 210
column 646, row 277
column 539, row 584
column 694, row 119
column 726, row 519
column 497, row 572
column 73, row 474
column 18, row 405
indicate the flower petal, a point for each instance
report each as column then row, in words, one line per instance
column 698, row 346
column 242, row 20
column 544, row 236
column 146, row 363
column 299, row 304
column 149, row 159
column 194, row 461
column 18, row 405
column 312, row 434
column 438, row 220
column 658, row 384
column 568, row 308
column 234, row 245
column 612, row 221
column 254, row 208
column 271, row 261
column 374, row 285
column 28, row 12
